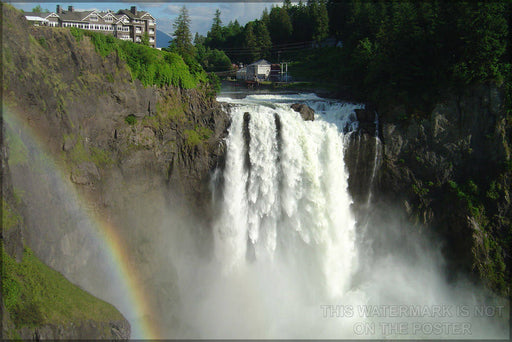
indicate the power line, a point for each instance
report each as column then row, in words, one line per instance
column 274, row 46
column 274, row 51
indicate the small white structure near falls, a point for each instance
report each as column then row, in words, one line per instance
column 257, row 71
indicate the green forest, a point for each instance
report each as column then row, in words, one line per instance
column 411, row 50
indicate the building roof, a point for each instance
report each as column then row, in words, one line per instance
column 261, row 62
column 138, row 15
column 35, row 18
column 38, row 14
column 74, row 16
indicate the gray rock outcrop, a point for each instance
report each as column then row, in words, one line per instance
column 307, row 113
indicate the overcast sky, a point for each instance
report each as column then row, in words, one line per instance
column 201, row 13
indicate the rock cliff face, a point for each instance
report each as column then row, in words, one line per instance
column 97, row 143
column 81, row 331
column 363, row 157
column 448, row 170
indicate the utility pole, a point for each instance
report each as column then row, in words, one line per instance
column 284, row 70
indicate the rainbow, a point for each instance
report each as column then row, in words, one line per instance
column 134, row 304
column 143, row 328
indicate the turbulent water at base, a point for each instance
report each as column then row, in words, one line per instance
column 287, row 260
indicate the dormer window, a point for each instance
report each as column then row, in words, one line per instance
column 93, row 18
column 108, row 19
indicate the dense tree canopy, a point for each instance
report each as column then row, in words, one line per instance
column 405, row 49
column 415, row 47
column 280, row 25
column 275, row 32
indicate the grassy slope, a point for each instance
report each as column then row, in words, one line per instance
column 150, row 66
column 35, row 295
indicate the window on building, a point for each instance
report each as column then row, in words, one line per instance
column 93, row 18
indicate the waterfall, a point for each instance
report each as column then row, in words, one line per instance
column 285, row 189
column 286, row 261
column 376, row 160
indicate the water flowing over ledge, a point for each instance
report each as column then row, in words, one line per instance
column 288, row 259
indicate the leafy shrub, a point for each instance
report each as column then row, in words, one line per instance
column 193, row 138
column 214, row 60
column 77, row 33
column 100, row 157
column 197, row 136
column 420, row 191
column 43, row 42
column 473, row 188
column 492, row 193
column 130, row 119
column 80, row 153
column 214, row 81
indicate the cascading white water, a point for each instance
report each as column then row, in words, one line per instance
column 287, row 260
column 285, row 190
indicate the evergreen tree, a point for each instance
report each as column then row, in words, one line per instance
column 338, row 17
column 265, row 17
column 280, row 25
column 250, row 42
column 199, row 39
column 263, row 39
column 319, row 18
column 215, row 37
column 182, row 43
column 302, row 28
column 39, row 9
